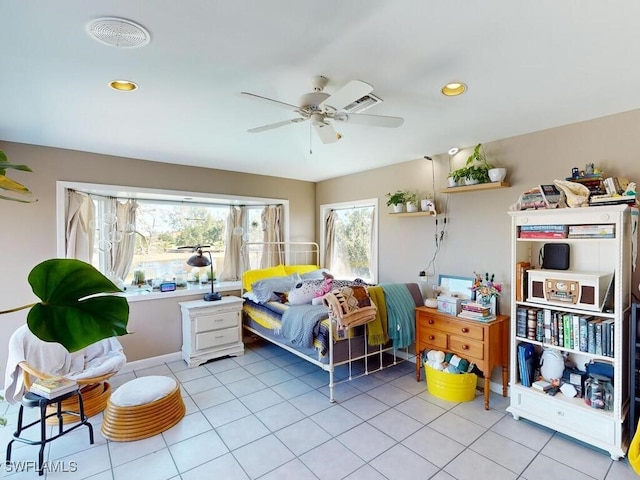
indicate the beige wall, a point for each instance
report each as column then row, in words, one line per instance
column 477, row 229
column 28, row 232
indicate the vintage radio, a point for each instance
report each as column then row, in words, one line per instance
column 587, row 290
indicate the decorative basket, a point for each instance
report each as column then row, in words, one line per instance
column 452, row 387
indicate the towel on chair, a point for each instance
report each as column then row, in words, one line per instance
column 98, row 359
column 350, row 306
column 377, row 328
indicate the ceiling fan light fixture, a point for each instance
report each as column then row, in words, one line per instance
column 453, row 150
column 454, row 89
column 123, row 85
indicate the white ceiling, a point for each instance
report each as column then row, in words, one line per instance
column 529, row 66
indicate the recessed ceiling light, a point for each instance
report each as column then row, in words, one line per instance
column 453, row 89
column 453, row 150
column 123, row 85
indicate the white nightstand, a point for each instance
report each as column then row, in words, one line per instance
column 211, row 329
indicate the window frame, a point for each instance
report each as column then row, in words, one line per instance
column 141, row 193
column 325, row 209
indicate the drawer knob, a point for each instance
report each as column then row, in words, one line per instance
column 465, row 347
column 465, row 330
column 430, row 322
column 431, row 337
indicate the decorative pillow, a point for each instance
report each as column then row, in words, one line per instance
column 251, row 276
column 263, row 289
column 314, row 274
column 303, row 292
column 300, row 269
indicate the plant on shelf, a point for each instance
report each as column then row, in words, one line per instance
column 475, row 169
column 397, row 198
column 17, row 191
column 411, row 198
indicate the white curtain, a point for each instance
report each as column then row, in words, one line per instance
column 80, row 226
column 273, row 231
column 329, row 239
column 122, row 237
column 232, row 265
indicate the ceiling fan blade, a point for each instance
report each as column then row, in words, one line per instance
column 270, row 101
column 371, row 120
column 326, row 132
column 352, row 91
column 276, row 125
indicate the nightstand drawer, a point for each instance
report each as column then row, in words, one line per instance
column 217, row 321
column 456, row 327
column 217, row 337
column 466, row 348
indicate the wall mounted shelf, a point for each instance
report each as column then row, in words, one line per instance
column 477, row 186
column 412, row 214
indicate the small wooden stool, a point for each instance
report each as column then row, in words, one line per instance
column 30, row 399
column 141, row 408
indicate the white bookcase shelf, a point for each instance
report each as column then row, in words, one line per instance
column 604, row 429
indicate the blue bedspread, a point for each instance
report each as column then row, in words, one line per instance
column 301, row 323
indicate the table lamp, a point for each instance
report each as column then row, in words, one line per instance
column 199, row 260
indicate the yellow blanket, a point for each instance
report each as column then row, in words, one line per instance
column 378, row 327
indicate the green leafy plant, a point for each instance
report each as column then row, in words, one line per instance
column 411, row 197
column 76, row 308
column 19, row 193
column 476, row 167
column 396, row 198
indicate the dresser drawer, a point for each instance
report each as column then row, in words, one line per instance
column 217, row 337
column 432, row 339
column 217, row 321
column 466, row 348
column 475, row 332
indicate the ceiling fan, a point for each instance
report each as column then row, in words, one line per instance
column 322, row 109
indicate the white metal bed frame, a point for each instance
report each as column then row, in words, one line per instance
column 308, row 253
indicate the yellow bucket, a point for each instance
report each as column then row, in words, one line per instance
column 451, row 386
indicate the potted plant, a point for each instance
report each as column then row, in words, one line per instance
column 17, row 191
column 411, row 199
column 426, row 202
column 475, row 170
column 396, row 201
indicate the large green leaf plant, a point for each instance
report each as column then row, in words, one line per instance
column 77, row 306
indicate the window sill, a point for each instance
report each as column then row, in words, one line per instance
column 140, row 295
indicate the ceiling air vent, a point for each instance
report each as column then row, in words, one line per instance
column 118, row 32
column 363, row 103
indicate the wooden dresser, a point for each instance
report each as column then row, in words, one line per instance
column 485, row 344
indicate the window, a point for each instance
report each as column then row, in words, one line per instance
column 349, row 239
column 139, row 232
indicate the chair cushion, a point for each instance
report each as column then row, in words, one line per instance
column 143, row 390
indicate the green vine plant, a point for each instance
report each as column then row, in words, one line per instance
column 16, row 191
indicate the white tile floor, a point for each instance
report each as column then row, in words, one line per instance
column 267, row 415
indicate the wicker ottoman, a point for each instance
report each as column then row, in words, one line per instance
column 142, row 408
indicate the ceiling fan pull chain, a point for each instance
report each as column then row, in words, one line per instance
column 310, row 140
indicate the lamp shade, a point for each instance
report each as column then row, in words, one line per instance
column 198, row 260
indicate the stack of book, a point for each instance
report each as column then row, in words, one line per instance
column 543, row 231
column 592, row 231
column 594, row 182
column 476, row 311
column 53, row 387
column 526, row 363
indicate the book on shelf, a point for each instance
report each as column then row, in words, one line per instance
column 551, row 195
column 615, row 185
column 526, row 354
column 53, row 387
column 542, row 234
column 612, row 200
column 544, row 228
column 604, row 229
column 532, row 318
column 541, row 385
column 521, row 322
column 540, row 325
column 521, row 280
